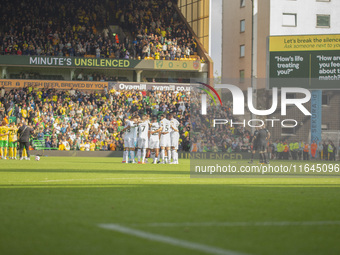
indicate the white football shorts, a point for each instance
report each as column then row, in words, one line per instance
column 142, row 143
column 154, row 142
column 129, row 142
column 174, row 137
column 165, row 140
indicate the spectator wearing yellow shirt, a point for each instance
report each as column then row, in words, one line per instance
column 24, row 112
column 86, row 19
column 163, row 32
column 86, row 133
column 186, row 132
column 39, row 94
column 64, row 145
column 157, row 54
column 92, row 146
column 82, row 146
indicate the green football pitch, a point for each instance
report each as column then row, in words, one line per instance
column 101, row 206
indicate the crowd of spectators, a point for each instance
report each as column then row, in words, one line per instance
column 80, row 28
column 156, row 28
column 221, row 138
column 81, row 120
column 77, row 120
column 81, row 76
column 302, row 150
column 95, row 77
column 54, row 28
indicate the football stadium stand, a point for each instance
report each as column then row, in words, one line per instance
column 104, row 40
column 151, row 29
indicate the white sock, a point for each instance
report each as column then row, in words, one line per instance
column 169, row 155
column 126, row 156
column 132, row 155
column 152, row 155
column 143, row 155
column 174, row 155
column 162, row 154
column 139, row 154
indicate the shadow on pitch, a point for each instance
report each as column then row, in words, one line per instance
column 94, row 171
column 303, row 188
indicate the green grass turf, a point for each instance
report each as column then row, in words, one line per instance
column 54, row 206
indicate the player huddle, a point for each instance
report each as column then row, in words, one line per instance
column 8, row 140
column 160, row 139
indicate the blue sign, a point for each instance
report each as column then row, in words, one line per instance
column 316, row 118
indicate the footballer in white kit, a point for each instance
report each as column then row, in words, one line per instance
column 154, row 139
column 174, row 138
column 165, row 132
column 165, row 139
column 143, row 133
column 143, row 137
column 135, row 134
column 129, row 139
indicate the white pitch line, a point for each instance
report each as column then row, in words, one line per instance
column 169, row 240
column 240, row 224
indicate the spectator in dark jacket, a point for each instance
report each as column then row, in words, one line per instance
column 48, row 143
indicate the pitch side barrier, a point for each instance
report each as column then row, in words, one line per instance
column 181, row 155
